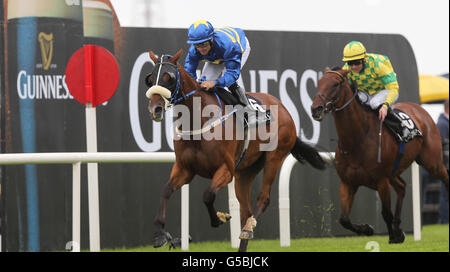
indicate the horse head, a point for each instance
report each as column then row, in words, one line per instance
column 163, row 83
column 330, row 93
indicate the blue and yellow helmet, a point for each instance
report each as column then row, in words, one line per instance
column 200, row 31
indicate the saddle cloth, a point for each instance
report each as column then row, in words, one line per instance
column 253, row 115
column 407, row 130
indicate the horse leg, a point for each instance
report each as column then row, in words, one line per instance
column 399, row 186
column 220, row 179
column 347, row 195
column 384, row 191
column 271, row 167
column 433, row 164
column 242, row 186
column 178, row 177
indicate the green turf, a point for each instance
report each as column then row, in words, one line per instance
column 435, row 238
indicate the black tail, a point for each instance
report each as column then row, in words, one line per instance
column 304, row 152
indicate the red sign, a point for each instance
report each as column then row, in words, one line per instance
column 92, row 75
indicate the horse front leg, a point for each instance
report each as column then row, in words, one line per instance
column 220, row 179
column 347, row 195
column 178, row 177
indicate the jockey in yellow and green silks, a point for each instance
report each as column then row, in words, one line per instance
column 375, row 78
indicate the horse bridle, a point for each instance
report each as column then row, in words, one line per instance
column 330, row 106
column 174, row 97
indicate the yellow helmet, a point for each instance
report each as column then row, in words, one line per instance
column 354, row 50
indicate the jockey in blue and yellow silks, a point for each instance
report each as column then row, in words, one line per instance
column 225, row 51
column 375, row 78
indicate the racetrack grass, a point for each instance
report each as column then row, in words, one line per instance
column 435, row 238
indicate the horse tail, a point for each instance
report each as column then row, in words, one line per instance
column 306, row 153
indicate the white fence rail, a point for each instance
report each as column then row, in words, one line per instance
column 284, row 201
column 76, row 159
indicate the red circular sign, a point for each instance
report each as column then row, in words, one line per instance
column 92, row 75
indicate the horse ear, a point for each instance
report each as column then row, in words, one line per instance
column 153, row 57
column 175, row 58
column 327, row 69
column 345, row 72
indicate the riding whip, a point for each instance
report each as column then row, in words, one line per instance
column 379, row 141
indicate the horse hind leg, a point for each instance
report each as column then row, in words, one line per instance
column 220, row 179
column 399, row 186
column 271, row 166
column 434, row 164
column 385, row 196
column 347, row 195
column 242, row 185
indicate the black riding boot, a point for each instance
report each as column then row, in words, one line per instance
column 239, row 93
column 395, row 123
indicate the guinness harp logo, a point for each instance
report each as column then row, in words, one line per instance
column 46, row 42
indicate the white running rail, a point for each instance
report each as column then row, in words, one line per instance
column 76, row 158
column 284, row 202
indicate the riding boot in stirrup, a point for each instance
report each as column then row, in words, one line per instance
column 395, row 122
column 239, row 93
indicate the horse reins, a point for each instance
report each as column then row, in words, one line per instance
column 174, row 99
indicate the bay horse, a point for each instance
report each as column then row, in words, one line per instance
column 356, row 162
column 215, row 159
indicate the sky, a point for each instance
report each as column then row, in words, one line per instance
column 424, row 23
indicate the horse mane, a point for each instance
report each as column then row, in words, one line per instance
column 353, row 85
column 187, row 76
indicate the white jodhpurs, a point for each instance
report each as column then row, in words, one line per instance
column 374, row 101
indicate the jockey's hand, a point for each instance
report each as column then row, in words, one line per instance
column 208, row 84
column 382, row 113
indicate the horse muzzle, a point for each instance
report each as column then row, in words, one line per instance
column 157, row 113
column 317, row 112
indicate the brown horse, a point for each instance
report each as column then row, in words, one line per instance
column 216, row 158
column 357, row 150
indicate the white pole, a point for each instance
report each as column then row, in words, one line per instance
column 416, row 201
column 185, row 217
column 76, row 206
column 94, row 213
column 283, row 200
column 235, row 221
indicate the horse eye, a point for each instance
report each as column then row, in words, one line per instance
column 148, row 80
column 171, row 75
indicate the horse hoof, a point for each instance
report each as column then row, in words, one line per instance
column 224, row 217
column 246, row 235
column 398, row 239
column 161, row 239
column 368, row 230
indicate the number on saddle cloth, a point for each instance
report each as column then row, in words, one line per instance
column 406, row 130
